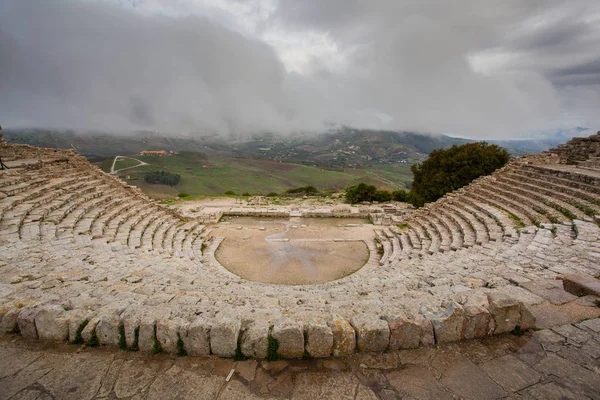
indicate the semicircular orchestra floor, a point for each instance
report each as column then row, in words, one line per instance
column 296, row 251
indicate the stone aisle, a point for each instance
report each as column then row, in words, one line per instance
column 561, row 363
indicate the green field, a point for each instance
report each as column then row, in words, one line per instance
column 125, row 163
column 202, row 174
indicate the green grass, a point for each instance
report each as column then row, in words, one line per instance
column 273, row 347
column 202, row 174
column 517, row 221
column 78, row 339
column 125, row 163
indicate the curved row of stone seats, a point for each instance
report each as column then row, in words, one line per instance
column 582, row 199
column 592, row 163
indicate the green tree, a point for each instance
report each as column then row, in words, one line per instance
column 447, row 170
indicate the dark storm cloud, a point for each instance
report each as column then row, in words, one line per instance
column 480, row 69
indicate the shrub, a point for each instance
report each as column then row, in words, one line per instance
column 447, row 170
column 162, row 177
column 272, row 194
column 230, row 193
column 246, row 194
column 181, row 195
column 302, row 190
column 400, row 195
column 359, row 193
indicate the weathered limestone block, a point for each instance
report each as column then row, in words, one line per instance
column 76, row 318
column 505, row 310
column 427, row 335
column 26, row 321
column 404, row 333
column 372, row 332
column 9, row 321
column 581, row 285
column 196, row 337
column 527, row 317
column 52, row 324
column 447, row 325
column 167, row 333
column 255, row 340
column 130, row 320
column 344, row 336
column 319, row 338
column 146, row 335
column 224, row 336
column 107, row 329
column 477, row 316
column 89, row 329
column 290, row 335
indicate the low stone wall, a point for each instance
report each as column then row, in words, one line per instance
column 487, row 312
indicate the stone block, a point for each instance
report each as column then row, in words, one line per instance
column 76, row 318
column 255, row 340
column 52, row 324
column 89, row 329
column 290, row 336
column 319, row 339
column 196, row 337
column 9, row 321
column 26, row 321
column 404, row 333
column 427, row 335
column 167, row 333
column 505, row 310
column 447, row 325
column 372, row 332
column 224, row 336
column 147, row 334
column 107, row 329
column 527, row 320
column 344, row 336
column 581, row 285
column 130, row 320
column 478, row 320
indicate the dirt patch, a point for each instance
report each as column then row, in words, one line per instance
column 295, row 251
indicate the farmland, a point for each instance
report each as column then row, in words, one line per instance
column 213, row 174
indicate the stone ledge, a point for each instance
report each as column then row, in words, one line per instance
column 482, row 313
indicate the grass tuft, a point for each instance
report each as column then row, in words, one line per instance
column 136, row 338
column 239, row 356
column 518, row 331
column 93, row 342
column 122, row 341
column 272, row 348
column 78, row 339
column 180, row 347
column 157, row 347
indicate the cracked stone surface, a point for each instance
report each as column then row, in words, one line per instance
column 505, row 366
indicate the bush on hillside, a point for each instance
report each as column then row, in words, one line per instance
column 230, row 193
column 162, row 177
column 181, row 195
column 400, row 195
column 363, row 192
column 447, row 170
column 302, row 190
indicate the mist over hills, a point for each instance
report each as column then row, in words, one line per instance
column 345, row 147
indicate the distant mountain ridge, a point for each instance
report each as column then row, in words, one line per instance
column 341, row 148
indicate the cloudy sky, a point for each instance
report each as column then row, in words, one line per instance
column 472, row 68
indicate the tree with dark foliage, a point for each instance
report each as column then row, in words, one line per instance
column 447, row 170
column 162, row 177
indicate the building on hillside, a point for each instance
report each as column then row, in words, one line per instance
column 153, row 153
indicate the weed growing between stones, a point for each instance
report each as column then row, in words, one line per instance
column 273, row 346
column 136, row 336
column 402, row 226
column 157, row 347
column 239, row 356
column 537, row 223
column 306, row 355
column 518, row 331
column 598, row 303
column 180, row 347
column 78, row 339
column 122, row 341
column 554, row 230
column 93, row 342
column 16, row 330
column 518, row 222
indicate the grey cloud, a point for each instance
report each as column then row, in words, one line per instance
column 91, row 65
